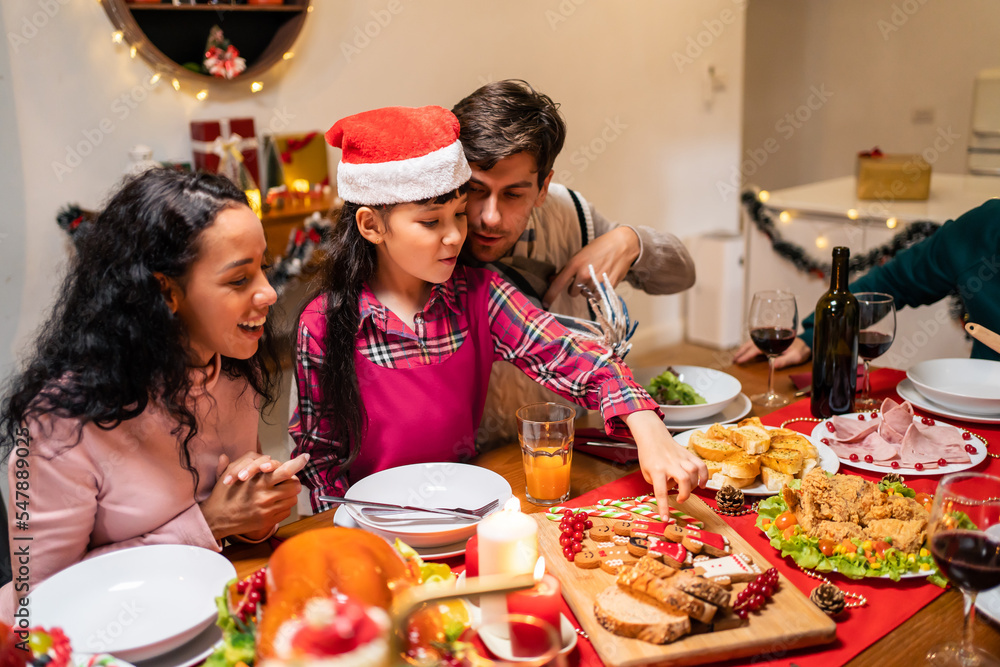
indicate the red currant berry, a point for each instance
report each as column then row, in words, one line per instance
column 249, row 609
column 742, row 613
column 966, row 435
column 588, row 524
column 894, row 464
column 918, row 466
column 971, row 449
column 578, row 526
column 253, row 596
column 570, row 556
column 861, row 417
column 830, row 427
column 942, row 462
column 241, row 586
column 825, row 441
column 577, row 547
column 564, row 540
column 757, row 602
column 854, row 457
column 578, row 536
column 875, row 415
column 868, row 458
column 568, row 513
column 927, row 421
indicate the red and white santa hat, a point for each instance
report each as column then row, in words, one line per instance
column 398, row 154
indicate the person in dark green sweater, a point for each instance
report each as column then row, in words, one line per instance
column 962, row 257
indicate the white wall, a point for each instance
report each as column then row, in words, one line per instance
column 656, row 147
column 876, row 62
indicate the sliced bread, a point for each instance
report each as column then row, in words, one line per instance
column 773, row 479
column 751, row 436
column 791, row 440
column 741, row 465
column 788, row 461
column 703, row 589
column 720, row 480
column 807, row 465
column 660, row 590
column 627, row 616
column 712, row 448
column 720, row 432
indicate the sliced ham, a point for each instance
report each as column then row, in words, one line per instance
column 880, row 449
column 928, row 444
column 895, row 421
column 850, row 430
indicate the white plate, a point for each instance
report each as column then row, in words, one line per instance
column 192, row 653
column 428, row 485
column 908, row 392
column 828, row 461
column 140, row 603
column 344, row 519
column 717, row 388
column 967, row 385
column 735, row 411
column 821, row 432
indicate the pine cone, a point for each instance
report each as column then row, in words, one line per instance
column 729, row 499
column 829, row 598
column 893, row 477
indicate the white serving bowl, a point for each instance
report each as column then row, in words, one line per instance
column 135, row 603
column 717, row 388
column 427, row 485
column 971, row 386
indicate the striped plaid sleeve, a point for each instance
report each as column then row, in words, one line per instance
column 323, row 474
column 578, row 369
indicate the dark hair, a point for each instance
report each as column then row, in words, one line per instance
column 112, row 344
column 350, row 262
column 508, row 117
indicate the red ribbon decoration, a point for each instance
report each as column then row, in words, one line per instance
column 294, row 145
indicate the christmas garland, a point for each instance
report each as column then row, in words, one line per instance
column 914, row 233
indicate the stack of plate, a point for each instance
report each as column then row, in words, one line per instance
column 724, row 403
column 153, row 606
column 425, row 485
column 967, row 389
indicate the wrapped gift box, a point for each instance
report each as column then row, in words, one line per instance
column 222, row 146
column 300, row 158
column 893, row 177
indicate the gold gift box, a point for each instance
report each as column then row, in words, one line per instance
column 901, row 176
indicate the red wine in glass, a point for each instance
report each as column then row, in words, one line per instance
column 969, row 558
column 873, row 344
column 772, row 340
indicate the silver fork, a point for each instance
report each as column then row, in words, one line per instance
column 377, row 509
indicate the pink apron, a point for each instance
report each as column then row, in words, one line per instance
column 428, row 413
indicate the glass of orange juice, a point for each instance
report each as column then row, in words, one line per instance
column 545, row 431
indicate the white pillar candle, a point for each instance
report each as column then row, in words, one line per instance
column 508, row 544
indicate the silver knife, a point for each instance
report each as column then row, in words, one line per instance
column 610, row 444
column 432, row 510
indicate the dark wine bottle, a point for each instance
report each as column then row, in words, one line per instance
column 835, row 344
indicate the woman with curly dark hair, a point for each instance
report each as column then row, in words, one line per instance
column 135, row 419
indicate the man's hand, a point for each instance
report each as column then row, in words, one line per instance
column 664, row 463
column 612, row 253
column 797, row 353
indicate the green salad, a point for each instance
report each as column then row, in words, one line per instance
column 854, row 558
column 667, row 389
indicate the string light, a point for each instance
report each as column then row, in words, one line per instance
column 288, row 55
column 785, row 217
column 852, row 214
column 132, row 51
column 763, row 196
column 117, row 36
column 256, row 87
column 201, row 95
column 891, row 223
column 176, row 84
column 822, row 241
column 155, row 79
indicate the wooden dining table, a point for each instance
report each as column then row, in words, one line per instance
column 939, row 621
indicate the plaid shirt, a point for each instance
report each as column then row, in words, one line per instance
column 531, row 339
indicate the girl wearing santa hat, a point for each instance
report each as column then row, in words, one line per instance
column 394, row 353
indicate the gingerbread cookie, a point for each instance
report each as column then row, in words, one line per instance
column 621, row 540
column 671, row 553
column 710, row 543
column 622, row 528
column 586, row 559
column 601, row 533
column 614, row 565
column 738, row 567
column 591, row 558
column 638, row 546
column 650, row 528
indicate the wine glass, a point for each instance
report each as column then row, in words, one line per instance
column 877, row 328
column 773, row 321
column 964, row 536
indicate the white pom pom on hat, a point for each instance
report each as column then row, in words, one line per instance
column 396, row 155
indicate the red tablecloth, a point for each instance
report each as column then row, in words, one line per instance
column 889, row 603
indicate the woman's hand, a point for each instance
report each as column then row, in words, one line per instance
column 664, row 463
column 253, row 507
column 244, row 467
column 797, row 353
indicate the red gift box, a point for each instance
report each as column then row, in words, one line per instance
column 222, row 146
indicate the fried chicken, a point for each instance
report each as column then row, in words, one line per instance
column 906, row 536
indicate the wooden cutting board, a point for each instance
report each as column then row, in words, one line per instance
column 789, row 620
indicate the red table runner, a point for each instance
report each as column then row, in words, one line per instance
column 889, row 603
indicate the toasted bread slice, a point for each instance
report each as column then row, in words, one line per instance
column 713, row 467
column 752, row 438
column 773, row 479
column 741, row 465
column 710, row 448
column 703, row 589
column 629, row 616
column 720, row 480
column 672, row 599
column 719, row 431
column 788, row 461
column 793, row 440
column 750, row 421
column 807, row 465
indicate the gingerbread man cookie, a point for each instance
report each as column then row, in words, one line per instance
column 601, row 533
column 591, row 558
column 671, row 553
column 738, row 567
column 699, row 541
